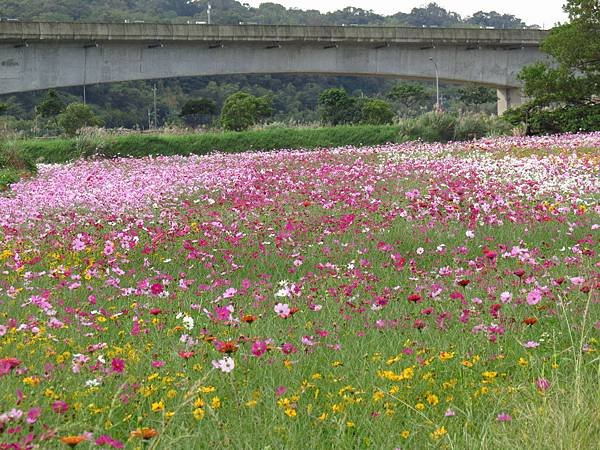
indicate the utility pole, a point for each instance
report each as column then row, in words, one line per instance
column 155, row 120
column 208, row 8
column 437, row 85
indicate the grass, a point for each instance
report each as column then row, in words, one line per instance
column 367, row 377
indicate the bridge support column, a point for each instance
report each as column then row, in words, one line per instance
column 509, row 98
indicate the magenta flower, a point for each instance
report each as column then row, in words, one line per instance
column 107, row 440
column 503, row 417
column 118, row 365
column 60, row 407
column 259, row 348
column 543, row 384
column 33, row 414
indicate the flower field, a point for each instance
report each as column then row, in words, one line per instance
column 403, row 296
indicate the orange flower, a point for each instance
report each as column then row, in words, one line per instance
column 529, row 320
column 72, row 441
column 226, row 347
column 144, row 433
column 249, row 318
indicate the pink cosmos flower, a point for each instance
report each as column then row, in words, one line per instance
column 60, row 407
column 259, row 348
column 543, row 384
column 118, row 365
column 33, row 414
column 282, row 310
column 531, row 344
column 534, row 297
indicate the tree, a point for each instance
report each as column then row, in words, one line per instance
column 476, row 95
column 375, row 111
column 51, row 105
column 411, row 96
column 3, row 108
column 336, row 107
column 77, row 116
column 565, row 97
column 242, row 110
column 195, row 110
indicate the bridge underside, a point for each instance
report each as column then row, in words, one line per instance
column 43, row 65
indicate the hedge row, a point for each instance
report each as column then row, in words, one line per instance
column 138, row 145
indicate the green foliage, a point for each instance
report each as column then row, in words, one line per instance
column 195, row 111
column 411, row 96
column 13, row 156
column 51, row 105
column 336, row 107
column 476, row 95
column 242, row 110
column 77, row 116
column 8, row 177
column 565, row 98
column 443, row 127
column 3, row 108
column 430, row 127
column 375, row 111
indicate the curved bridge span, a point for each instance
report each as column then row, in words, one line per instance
column 39, row 55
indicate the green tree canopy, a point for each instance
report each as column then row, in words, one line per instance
column 564, row 96
column 195, row 110
column 336, row 107
column 77, row 116
column 242, row 110
column 375, row 111
column 51, row 105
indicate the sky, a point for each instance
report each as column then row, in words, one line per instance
column 540, row 12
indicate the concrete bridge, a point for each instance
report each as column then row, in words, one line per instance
column 38, row 55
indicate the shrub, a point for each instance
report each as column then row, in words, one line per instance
column 242, row 110
column 375, row 111
column 12, row 156
column 76, row 116
column 430, row 127
column 8, row 177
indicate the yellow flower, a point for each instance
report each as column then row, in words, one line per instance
column 378, row 396
column 350, row 424
column 489, row 375
column 405, row 434
column 158, row 406
column 198, row 413
column 446, row 356
column 316, row 376
column 420, row 406
column 199, row 403
column 172, row 393
column 207, row 389
column 439, row 433
column 523, row 362
column 32, row 381
column 323, row 416
column 290, row 412
column 432, row 399
column 215, row 403
column 251, row 403
column 467, row 363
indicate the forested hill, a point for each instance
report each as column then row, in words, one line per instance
column 234, row 12
column 294, row 96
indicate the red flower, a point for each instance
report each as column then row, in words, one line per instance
column 414, row 298
column 530, row 321
column 186, row 355
column 463, row 282
column 156, row 289
column 155, row 311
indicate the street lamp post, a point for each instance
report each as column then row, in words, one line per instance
column 437, row 85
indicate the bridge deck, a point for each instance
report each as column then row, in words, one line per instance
column 62, row 31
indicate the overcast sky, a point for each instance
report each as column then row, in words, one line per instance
column 540, row 12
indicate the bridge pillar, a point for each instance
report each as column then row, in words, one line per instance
column 509, row 98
